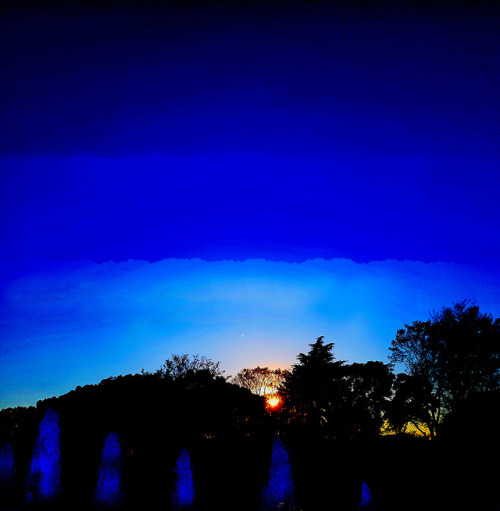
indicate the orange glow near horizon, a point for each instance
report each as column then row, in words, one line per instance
column 273, row 401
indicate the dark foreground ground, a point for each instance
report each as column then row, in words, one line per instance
column 402, row 473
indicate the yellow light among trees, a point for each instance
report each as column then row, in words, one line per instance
column 273, row 401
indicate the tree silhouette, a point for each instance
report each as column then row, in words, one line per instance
column 370, row 386
column 422, row 392
column 180, row 367
column 260, row 380
column 449, row 357
column 468, row 346
column 409, row 405
column 314, row 387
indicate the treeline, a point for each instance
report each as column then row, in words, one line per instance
column 329, row 412
column 154, row 416
column 450, row 384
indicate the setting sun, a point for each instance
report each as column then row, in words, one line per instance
column 273, row 401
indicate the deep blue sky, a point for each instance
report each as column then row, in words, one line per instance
column 134, row 139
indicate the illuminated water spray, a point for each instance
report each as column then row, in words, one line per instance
column 45, row 469
column 366, row 497
column 6, row 465
column 279, row 493
column 7, row 475
column 108, row 492
column 184, row 487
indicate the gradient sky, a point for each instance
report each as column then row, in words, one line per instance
column 236, row 181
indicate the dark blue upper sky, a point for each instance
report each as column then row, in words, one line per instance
column 271, row 131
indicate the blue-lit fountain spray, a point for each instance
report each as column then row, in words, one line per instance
column 108, row 492
column 184, row 487
column 45, row 469
column 279, row 493
column 366, row 497
column 7, row 473
column 6, row 465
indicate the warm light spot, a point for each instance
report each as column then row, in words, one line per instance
column 273, row 401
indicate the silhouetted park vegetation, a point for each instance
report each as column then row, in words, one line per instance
column 421, row 438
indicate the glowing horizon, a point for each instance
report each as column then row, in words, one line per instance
column 90, row 321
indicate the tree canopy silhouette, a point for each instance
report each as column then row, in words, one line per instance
column 370, row 388
column 185, row 367
column 260, row 380
column 314, row 387
column 449, row 357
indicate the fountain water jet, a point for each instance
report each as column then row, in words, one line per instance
column 366, row 497
column 108, row 492
column 279, row 493
column 6, row 464
column 45, row 468
column 184, row 487
column 7, row 474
